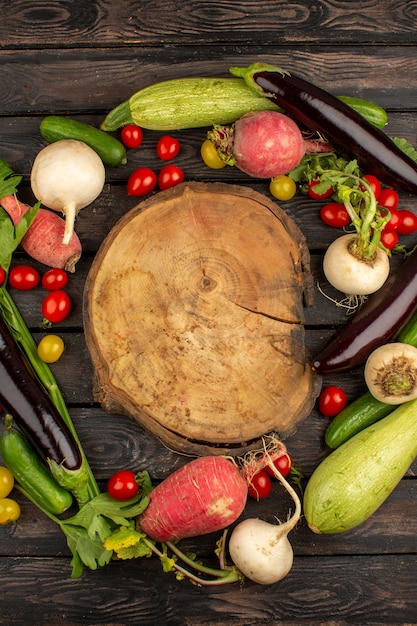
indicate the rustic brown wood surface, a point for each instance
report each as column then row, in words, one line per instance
column 81, row 58
column 205, row 285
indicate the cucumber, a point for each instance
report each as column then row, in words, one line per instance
column 356, row 416
column 110, row 150
column 354, row 480
column 32, row 474
column 373, row 113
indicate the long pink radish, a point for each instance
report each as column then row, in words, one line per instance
column 204, row 496
column 43, row 240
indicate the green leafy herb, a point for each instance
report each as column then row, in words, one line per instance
column 10, row 235
column 406, row 147
column 351, row 189
column 9, row 181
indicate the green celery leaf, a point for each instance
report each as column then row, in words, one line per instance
column 11, row 236
column 139, row 550
column 406, row 147
column 9, row 181
column 85, row 550
column 128, row 543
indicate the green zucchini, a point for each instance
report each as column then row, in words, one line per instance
column 197, row 102
column 32, row 474
column 110, row 150
column 354, row 480
column 187, row 103
column 366, row 409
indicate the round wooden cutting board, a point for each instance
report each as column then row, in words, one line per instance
column 193, row 314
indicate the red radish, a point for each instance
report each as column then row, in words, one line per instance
column 262, row 144
column 43, row 240
column 204, row 496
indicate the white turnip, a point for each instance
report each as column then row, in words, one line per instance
column 391, row 373
column 262, row 144
column 351, row 272
column 262, row 551
column 67, row 176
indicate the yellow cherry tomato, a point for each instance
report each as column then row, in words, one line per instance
column 282, row 187
column 9, row 511
column 6, row 481
column 50, row 348
column 210, row 156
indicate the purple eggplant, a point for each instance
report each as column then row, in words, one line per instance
column 31, row 407
column 379, row 320
column 340, row 125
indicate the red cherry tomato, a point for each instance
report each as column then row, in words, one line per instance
column 407, row 222
column 167, row 147
column 335, row 214
column 388, row 198
column 260, row 486
column 141, row 182
column 332, row 400
column 389, row 238
column 24, row 277
column 122, row 485
column 169, row 176
column 394, row 220
column 2, row 275
column 131, row 135
column 54, row 279
column 374, row 184
column 283, row 464
column 56, row 306
column 314, row 194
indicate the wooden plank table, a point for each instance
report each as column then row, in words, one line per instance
column 81, row 58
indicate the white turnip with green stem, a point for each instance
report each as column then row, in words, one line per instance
column 67, row 176
column 391, row 373
column 357, row 264
column 260, row 550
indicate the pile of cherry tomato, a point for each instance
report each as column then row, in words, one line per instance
column 402, row 221
column 55, row 306
column 261, row 483
column 143, row 180
column 9, row 508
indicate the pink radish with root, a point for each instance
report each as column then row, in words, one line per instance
column 263, row 144
column 204, row 496
column 43, row 240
